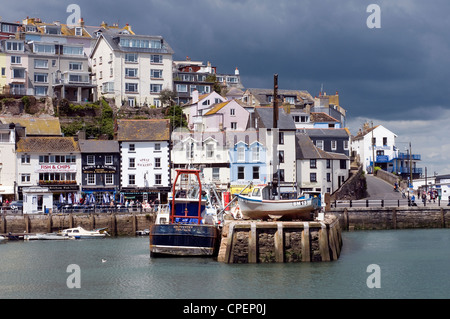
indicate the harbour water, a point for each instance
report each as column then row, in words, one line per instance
column 412, row 264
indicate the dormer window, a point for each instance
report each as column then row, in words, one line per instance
column 78, row 31
column 14, row 46
column 52, row 30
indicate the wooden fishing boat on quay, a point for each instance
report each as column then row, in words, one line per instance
column 182, row 227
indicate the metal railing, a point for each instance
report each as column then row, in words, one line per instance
column 360, row 203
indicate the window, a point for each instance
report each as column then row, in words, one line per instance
column 156, row 58
column 18, row 73
column 345, row 145
column 78, row 31
column 156, row 74
column 14, row 46
column 131, row 179
column 75, row 66
column 312, row 163
column 216, row 173
column 108, row 87
column 157, row 146
column 333, row 145
column 91, row 159
column 319, row 144
column 312, row 177
column 44, row 48
column 26, row 178
column 16, row 59
column 25, row 159
column 290, row 99
column 158, row 180
column 343, row 164
column 328, row 163
column 155, row 88
column 131, row 87
column 109, row 179
column 241, row 154
column 209, row 150
column 3, row 71
column 131, row 73
column 78, row 78
column 232, row 112
column 255, row 154
column 131, row 58
column 131, row 101
column 241, row 174
column 234, row 125
column 40, row 64
column 157, row 162
column 131, row 162
column 328, row 177
column 72, row 50
column 255, row 172
column 281, row 138
column 281, row 175
column 190, row 150
column 132, row 148
column 281, row 156
column 182, row 88
column 91, row 179
column 41, row 77
column 108, row 160
column 374, row 141
column 384, row 141
column 40, row 90
column 9, row 28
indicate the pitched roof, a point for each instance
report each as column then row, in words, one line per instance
column 47, row 144
column 265, row 118
column 143, row 130
column 36, row 126
column 326, row 132
column 305, row 149
column 99, row 146
column 322, row 117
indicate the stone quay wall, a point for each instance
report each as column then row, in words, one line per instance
column 118, row 224
column 267, row 242
column 392, row 218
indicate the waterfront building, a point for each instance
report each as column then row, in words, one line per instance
column 248, row 159
column 378, row 143
column 50, row 165
column 199, row 106
column 8, row 162
column 100, row 164
column 229, row 115
column 280, row 161
column 335, row 140
column 17, row 65
column 145, row 158
column 132, row 69
column 318, row 171
column 206, row 151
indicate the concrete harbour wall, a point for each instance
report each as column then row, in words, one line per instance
column 117, row 224
column 392, row 218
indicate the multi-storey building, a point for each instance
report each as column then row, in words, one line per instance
column 207, row 151
column 145, row 158
column 318, row 171
column 132, row 69
column 100, row 163
column 49, row 168
column 8, row 162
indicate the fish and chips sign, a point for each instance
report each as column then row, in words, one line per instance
column 56, row 168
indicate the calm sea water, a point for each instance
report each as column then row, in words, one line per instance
column 413, row 264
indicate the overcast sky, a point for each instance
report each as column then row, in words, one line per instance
column 396, row 75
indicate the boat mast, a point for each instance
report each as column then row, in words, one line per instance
column 275, row 137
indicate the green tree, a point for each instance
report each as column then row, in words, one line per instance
column 176, row 116
column 167, row 97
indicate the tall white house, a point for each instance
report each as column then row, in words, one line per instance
column 374, row 143
column 132, row 69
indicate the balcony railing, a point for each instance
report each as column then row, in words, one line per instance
column 406, row 156
column 43, row 182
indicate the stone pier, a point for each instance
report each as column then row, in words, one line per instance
column 296, row 241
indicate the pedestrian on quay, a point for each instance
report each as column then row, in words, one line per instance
column 424, row 198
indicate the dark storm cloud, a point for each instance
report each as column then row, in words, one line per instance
column 392, row 71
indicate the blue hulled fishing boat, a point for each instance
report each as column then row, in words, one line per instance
column 186, row 226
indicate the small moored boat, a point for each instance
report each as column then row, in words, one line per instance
column 81, row 233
